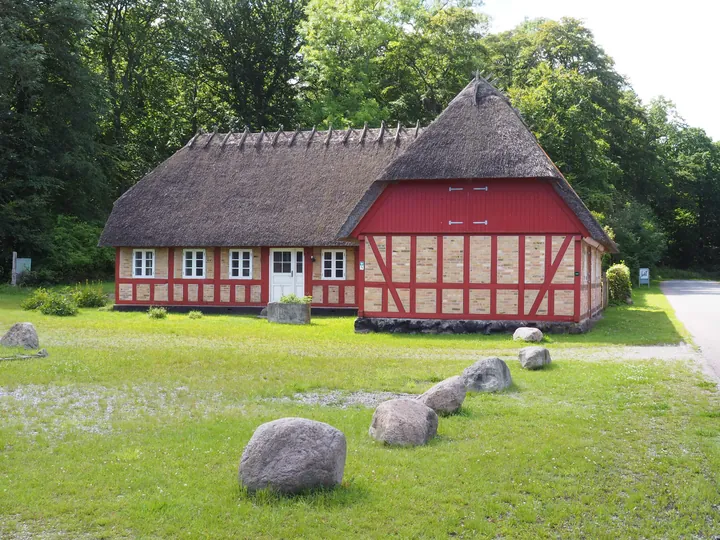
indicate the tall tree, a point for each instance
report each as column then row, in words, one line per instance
column 250, row 48
column 49, row 105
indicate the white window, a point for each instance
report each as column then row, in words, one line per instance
column 241, row 264
column 144, row 263
column 333, row 264
column 194, row 263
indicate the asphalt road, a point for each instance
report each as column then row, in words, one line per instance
column 697, row 305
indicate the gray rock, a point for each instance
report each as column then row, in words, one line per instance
column 534, row 357
column 404, row 422
column 528, row 334
column 487, row 375
column 445, row 397
column 21, row 334
column 278, row 312
column 292, row 455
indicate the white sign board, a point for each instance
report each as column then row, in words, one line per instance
column 645, row 276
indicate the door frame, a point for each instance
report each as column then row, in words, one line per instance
column 293, row 263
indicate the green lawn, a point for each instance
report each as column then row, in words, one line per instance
column 134, row 428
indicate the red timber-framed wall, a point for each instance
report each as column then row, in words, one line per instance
column 169, row 288
column 496, row 249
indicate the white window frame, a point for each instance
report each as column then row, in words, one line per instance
column 194, row 263
column 144, row 266
column 334, row 253
column 240, row 253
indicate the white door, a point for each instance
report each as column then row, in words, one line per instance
column 287, row 273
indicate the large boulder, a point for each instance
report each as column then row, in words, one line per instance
column 487, row 375
column 534, row 357
column 404, row 422
column 528, row 334
column 21, row 334
column 292, row 455
column 445, row 397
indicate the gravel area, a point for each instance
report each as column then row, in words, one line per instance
column 342, row 400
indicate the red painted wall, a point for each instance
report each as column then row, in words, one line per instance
column 508, row 206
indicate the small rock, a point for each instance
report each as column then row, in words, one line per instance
column 404, row 422
column 21, row 335
column 534, row 357
column 445, row 397
column 629, row 301
column 263, row 312
column 487, row 375
column 292, row 455
column 527, row 334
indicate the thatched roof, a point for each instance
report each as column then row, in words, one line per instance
column 479, row 135
column 255, row 189
column 308, row 188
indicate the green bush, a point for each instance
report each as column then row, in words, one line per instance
column 295, row 299
column 157, row 313
column 195, row 315
column 619, row 285
column 60, row 305
column 36, row 300
column 88, row 295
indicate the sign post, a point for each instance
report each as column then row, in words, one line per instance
column 13, row 271
column 644, row 276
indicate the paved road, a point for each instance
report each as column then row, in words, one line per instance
column 697, row 305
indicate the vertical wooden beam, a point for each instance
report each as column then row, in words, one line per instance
column 521, row 276
column 360, row 278
column 264, row 276
column 466, row 275
column 308, row 269
column 218, row 266
column 171, row 275
column 117, row 274
column 413, row 269
column 550, row 292
column 389, row 277
column 438, row 295
column 578, row 280
column 493, row 274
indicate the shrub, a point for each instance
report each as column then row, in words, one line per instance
column 74, row 253
column 88, row 295
column 60, row 305
column 619, row 285
column 157, row 313
column 295, row 299
column 36, row 300
column 195, row 315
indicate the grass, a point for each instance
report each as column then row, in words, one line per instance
column 134, row 428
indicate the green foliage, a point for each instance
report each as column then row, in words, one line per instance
column 619, row 284
column 74, row 253
column 292, row 298
column 195, row 314
column 95, row 94
column 60, row 305
column 36, row 300
column 157, row 313
column 641, row 241
column 88, row 295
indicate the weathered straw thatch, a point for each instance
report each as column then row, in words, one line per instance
column 311, row 188
column 254, row 189
column 480, row 135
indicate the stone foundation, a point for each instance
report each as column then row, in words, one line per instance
column 364, row 325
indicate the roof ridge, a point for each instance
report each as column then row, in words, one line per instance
column 275, row 139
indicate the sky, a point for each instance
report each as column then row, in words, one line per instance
column 662, row 48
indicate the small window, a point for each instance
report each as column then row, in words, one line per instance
column 282, row 262
column 194, row 263
column 144, row 263
column 241, row 264
column 333, row 264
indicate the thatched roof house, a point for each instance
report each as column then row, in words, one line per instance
column 226, row 201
